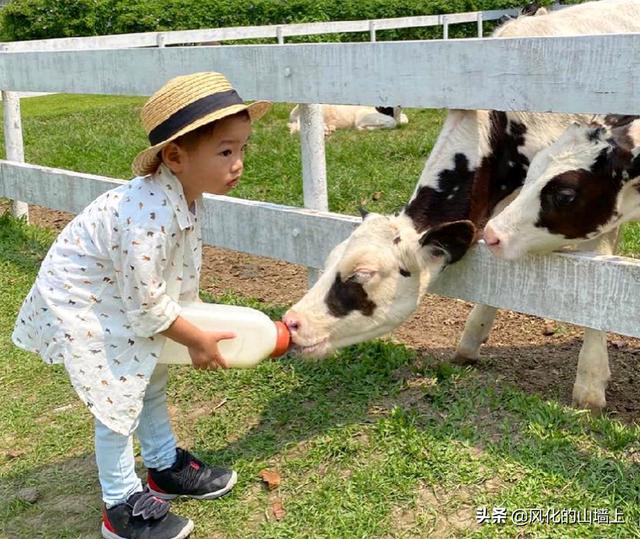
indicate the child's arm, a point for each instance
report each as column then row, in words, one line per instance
column 142, row 256
column 202, row 345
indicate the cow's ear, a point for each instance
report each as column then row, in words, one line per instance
column 449, row 240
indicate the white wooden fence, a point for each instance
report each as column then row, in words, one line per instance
column 595, row 74
column 311, row 132
column 279, row 32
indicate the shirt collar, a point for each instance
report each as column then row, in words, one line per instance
column 174, row 192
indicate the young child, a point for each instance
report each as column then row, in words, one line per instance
column 107, row 297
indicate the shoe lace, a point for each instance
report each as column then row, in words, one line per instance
column 148, row 506
column 192, row 471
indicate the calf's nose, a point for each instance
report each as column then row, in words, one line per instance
column 292, row 320
column 490, row 236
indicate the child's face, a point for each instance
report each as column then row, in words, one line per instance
column 216, row 163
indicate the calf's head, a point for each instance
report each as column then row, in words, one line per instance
column 373, row 281
column 580, row 187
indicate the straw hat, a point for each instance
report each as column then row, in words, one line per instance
column 184, row 104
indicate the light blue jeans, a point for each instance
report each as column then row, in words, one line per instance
column 114, row 452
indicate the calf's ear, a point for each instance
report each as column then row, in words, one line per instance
column 449, row 240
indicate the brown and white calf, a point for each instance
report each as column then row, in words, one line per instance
column 376, row 278
column 580, row 188
column 352, row 117
column 577, row 191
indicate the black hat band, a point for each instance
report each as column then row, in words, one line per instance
column 192, row 112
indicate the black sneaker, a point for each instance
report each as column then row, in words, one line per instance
column 190, row 477
column 143, row 516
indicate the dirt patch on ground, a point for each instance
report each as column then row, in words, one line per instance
column 517, row 351
column 437, row 512
column 48, row 498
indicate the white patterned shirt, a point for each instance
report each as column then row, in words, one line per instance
column 110, row 283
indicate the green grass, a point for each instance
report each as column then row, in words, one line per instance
column 630, row 240
column 375, row 441
column 101, row 135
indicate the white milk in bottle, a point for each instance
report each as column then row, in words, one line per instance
column 257, row 336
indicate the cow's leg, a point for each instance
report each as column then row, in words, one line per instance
column 476, row 331
column 593, row 362
column 593, row 372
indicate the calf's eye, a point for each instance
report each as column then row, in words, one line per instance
column 564, row 197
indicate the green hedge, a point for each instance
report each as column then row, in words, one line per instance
column 39, row 19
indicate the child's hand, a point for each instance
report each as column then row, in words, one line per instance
column 205, row 354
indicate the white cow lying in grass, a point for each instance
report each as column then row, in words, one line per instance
column 352, row 116
column 377, row 277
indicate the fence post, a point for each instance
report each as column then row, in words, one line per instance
column 279, row 35
column 161, row 41
column 372, row 31
column 314, row 167
column 445, row 27
column 14, row 147
column 479, row 24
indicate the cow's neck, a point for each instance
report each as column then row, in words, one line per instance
column 480, row 158
column 443, row 192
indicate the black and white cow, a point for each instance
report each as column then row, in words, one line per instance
column 584, row 185
column 376, row 278
column 577, row 191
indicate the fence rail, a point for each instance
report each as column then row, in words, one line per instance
column 276, row 31
column 602, row 72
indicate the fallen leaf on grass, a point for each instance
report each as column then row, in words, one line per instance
column 278, row 510
column 271, row 478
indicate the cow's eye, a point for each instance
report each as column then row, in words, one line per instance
column 362, row 276
column 564, row 197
